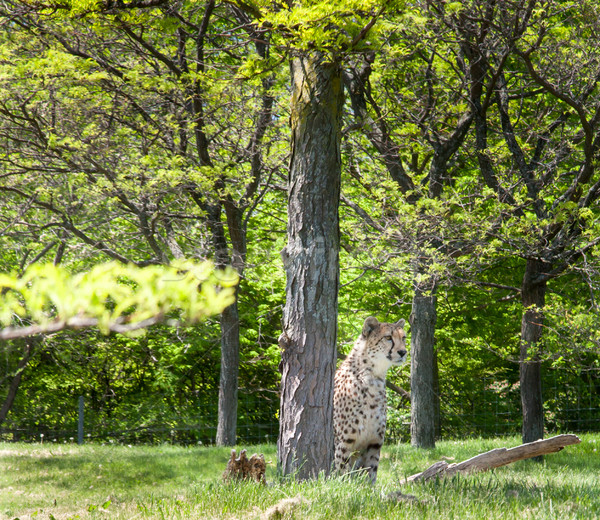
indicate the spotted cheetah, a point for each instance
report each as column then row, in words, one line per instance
column 359, row 400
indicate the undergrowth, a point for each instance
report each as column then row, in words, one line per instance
column 123, row 482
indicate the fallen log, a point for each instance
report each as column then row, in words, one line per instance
column 495, row 458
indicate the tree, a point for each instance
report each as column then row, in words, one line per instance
column 470, row 43
column 411, row 99
column 144, row 80
column 542, row 174
column 150, row 131
column 311, row 261
column 311, row 256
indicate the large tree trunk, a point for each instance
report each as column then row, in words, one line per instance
column 422, row 364
column 533, row 295
column 308, row 339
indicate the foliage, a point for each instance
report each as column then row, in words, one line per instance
column 113, row 296
column 160, row 387
column 344, row 27
column 127, row 136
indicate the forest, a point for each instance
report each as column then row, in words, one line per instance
column 431, row 160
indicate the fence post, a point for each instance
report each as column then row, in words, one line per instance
column 80, row 422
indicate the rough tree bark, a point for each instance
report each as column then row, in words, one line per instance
column 308, row 339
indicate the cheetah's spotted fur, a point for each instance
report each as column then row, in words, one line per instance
column 359, row 401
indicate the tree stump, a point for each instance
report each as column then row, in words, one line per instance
column 244, row 468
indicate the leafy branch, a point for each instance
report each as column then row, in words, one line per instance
column 111, row 296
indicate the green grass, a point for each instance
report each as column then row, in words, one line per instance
column 171, row 482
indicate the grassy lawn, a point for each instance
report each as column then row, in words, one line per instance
column 171, row 482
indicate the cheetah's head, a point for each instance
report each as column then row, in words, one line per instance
column 385, row 343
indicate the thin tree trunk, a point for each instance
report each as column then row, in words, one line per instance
column 311, row 261
column 230, row 342
column 16, row 381
column 437, row 419
column 237, row 229
column 228, row 382
column 426, row 423
column 422, row 363
column 534, row 299
column 230, row 336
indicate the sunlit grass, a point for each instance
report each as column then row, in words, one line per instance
column 121, row 482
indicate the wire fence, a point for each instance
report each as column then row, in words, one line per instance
column 494, row 410
column 569, row 407
column 490, row 411
column 152, row 423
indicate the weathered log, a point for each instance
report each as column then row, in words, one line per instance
column 495, row 458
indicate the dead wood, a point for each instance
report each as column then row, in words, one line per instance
column 244, row 468
column 495, row 458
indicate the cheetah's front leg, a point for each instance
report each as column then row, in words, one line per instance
column 344, row 458
column 369, row 461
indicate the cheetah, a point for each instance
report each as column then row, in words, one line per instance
column 359, row 400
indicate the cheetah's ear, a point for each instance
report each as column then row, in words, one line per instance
column 369, row 326
column 400, row 323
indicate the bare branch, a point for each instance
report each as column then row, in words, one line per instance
column 76, row 323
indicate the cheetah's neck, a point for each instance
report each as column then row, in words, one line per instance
column 365, row 366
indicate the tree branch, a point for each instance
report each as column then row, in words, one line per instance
column 96, row 244
column 76, row 323
column 365, row 30
column 169, row 63
column 362, row 213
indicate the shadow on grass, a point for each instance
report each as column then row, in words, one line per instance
column 567, row 493
column 117, row 467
